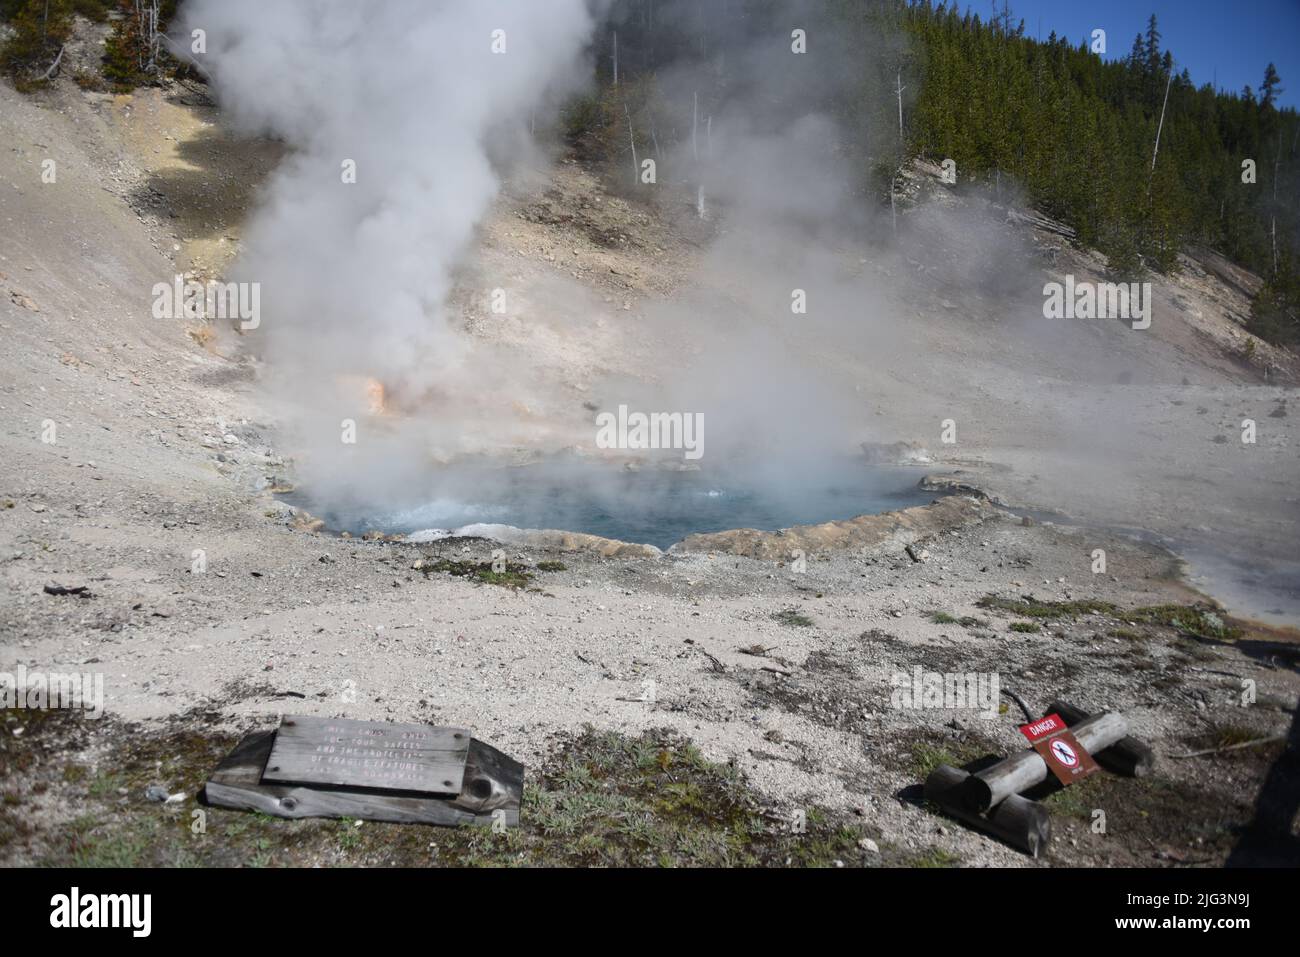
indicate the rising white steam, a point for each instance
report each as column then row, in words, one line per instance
column 426, row 98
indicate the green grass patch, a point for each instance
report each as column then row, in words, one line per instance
column 93, row 844
column 1194, row 619
column 1028, row 627
column 793, row 618
column 549, row 566
column 512, row 575
column 1227, row 736
column 935, row 857
column 926, row 757
column 1078, row 800
column 942, row 618
column 1033, row 608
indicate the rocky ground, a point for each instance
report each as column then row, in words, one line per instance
column 211, row 608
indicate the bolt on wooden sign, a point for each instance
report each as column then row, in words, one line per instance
column 1059, row 749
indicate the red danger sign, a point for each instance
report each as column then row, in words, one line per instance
column 1064, row 756
column 1042, row 727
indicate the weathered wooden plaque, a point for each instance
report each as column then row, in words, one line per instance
column 493, row 791
column 368, row 754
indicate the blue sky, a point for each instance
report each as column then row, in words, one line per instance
column 1235, row 38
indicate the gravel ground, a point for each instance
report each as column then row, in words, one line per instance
column 207, row 595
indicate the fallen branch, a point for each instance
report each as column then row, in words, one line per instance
column 55, row 65
column 56, row 589
column 1215, row 671
column 1232, row 747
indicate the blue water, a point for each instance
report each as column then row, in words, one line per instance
column 650, row 506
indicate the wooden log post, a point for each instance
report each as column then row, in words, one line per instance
column 1024, row 824
column 1127, row 756
column 1023, row 770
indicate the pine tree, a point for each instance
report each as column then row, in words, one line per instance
column 40, row 29
column 1271, row 88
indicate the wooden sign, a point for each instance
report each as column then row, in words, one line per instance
column 1060, row 750
column 492, row 792
column 368, row 754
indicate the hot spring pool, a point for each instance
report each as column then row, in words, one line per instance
column 653, row 507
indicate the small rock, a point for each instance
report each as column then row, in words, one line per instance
column 156, row 793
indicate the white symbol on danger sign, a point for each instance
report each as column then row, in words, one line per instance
column 1064, row 753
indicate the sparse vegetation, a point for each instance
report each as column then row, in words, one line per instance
column 926, row 757
column 935, row 857
column 40, row 28
column 1032, row 608
column 602, row 799
column 1195, row 620
column 793, row 618
column 1225, row 737
column 512, row 575
column 1079, row 799
column 1028, row 627
column 133, row 52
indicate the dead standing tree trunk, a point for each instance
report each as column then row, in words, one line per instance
column 902, row 152
column 631, row 135
column 149, row 44
column 695, row 153
column 1160, row 128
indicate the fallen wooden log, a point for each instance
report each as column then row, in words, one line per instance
column 1127, row 756
column 1023, row 770
column 1024, row 824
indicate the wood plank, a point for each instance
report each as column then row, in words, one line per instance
column 493, row 782
column 368, row 754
